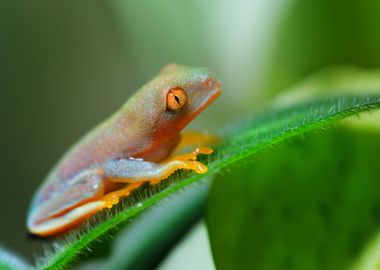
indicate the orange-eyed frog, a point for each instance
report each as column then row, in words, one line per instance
column 135, row 145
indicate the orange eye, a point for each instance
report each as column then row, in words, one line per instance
column 175, row 99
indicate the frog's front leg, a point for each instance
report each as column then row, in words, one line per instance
column 191, row 139
column 138, row 171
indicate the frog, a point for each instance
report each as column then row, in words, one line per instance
column 139, row 144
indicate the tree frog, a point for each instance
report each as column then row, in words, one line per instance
column 135, row 145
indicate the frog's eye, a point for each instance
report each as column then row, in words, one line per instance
column 175, row 99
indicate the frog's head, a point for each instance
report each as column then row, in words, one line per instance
column 174, row 98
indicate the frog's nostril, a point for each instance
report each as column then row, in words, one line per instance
column 212, row 84
column 209, row 82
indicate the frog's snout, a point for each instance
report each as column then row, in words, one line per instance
column 215, row 86
column 210, row 90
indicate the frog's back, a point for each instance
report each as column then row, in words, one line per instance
column 111, row 139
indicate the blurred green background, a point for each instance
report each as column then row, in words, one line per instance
column 67, row 65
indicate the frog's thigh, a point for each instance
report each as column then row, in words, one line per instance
column 78, row 201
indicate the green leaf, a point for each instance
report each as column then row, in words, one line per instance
column 154, row 233
column 311, row 204
column 241, row 141
column 314, row 34
column 10, row 261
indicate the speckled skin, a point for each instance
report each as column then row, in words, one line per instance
column 141, row 128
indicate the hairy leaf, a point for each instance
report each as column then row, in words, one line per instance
column 311, row 204
column 241, row 141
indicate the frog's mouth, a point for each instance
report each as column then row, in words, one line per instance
column 202, row 97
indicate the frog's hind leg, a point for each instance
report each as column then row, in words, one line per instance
column 113, row 197
column 71, row 202
column 87, row 193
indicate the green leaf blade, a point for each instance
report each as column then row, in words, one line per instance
column 10, row 261
column 241, row 142
column 309, row 204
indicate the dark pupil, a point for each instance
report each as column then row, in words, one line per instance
column 176, row 99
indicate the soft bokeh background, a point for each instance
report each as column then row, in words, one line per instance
column 64, row 66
